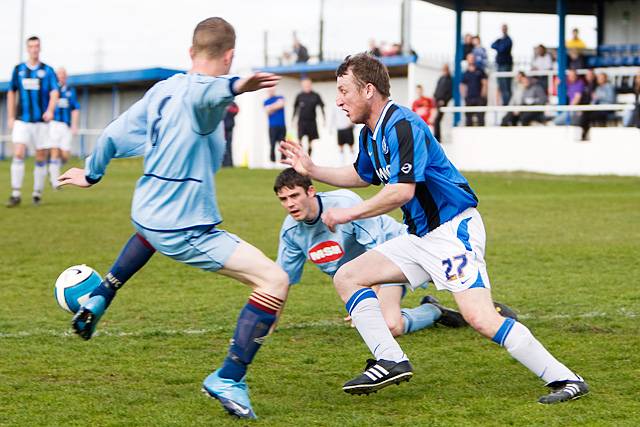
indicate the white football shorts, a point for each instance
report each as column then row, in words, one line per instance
column 451, row 256
column 60, row 135
column 33, row 135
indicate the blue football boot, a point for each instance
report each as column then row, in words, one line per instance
column 86, row 319
column 233, row 395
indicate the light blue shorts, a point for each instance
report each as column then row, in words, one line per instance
column 205, row 247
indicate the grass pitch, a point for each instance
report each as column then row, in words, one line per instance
column 563, row 251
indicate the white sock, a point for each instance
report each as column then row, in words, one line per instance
column 364, row 309
column 17, row 176
column 39, row 177
column 526, row 349
column 54, row 172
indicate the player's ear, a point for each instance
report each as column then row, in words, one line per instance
column 311, row 191
column 228, row 56
column 369, row 90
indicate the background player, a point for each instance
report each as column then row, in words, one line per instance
column 304, row 107
column 63, row 127
column 177, row 127
column 35, row 89
column 274, row 107
column 446, row 234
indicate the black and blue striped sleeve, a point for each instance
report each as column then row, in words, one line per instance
column 408, row 153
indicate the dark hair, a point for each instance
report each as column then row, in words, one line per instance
column 365, row 69
column 213, row 37
column 290, row 178
column 33, row 39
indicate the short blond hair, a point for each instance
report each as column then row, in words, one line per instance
column 213, row 37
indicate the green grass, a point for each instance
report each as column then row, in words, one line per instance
column 563, row 251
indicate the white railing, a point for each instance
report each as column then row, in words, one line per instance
column 537, row 108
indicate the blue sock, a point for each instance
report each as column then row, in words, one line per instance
column 420, row 317
column 253, row 326
column 132, row 258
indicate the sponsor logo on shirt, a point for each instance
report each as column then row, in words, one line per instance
column 31, row 84
column 63, row 103
column 40, row 73
column 325, row 252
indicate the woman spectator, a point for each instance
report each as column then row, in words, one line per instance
column 542, row 61
column 513, row 117
column 604, row 93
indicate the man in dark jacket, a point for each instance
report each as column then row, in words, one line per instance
column 442, row 95
column 504, row 61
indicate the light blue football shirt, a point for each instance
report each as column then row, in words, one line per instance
column 302, row 240
column 176, row 126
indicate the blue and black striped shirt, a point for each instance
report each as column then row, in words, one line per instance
column 67, row 102
column 401, row 149
column 34, row 87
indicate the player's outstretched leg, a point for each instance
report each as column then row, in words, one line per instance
column 270, row 284
column 352, row 282
column 477, row 308
column 133, row 257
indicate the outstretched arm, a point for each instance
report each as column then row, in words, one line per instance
column 297, row 158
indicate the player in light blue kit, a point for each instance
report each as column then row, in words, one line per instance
column 176, row 126
column 445, row 241
column 303, row 236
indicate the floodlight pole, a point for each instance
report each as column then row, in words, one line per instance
column 320, row 50
column 21, row 36
column 406, row 27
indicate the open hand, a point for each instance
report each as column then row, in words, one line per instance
column 74, row 176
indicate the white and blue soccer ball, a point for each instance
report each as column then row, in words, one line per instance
column 74, row 286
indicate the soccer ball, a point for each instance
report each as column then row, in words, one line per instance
column 74, row 286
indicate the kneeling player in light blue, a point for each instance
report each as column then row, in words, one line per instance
column 176, row 126
column 304, row 236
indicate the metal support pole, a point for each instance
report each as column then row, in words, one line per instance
column 457, row 66
column 21, row 40
column 600, row 10
column 321, row 36
column 562, row 53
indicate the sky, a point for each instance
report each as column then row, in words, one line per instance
column 91, row 35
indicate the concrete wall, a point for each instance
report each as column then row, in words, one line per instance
column 546, row 149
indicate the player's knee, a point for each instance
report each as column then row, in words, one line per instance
column 482, row 323
column 275, row 282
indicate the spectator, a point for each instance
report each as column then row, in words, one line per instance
column 274, row 107
column 632, row 117
column 467, row 45
column 590, row 84
column 542, row 61
column 394, row 50
column 513, row 117
column 423, row 105
column 374, row 50
column 442, row 95
column 533, row 95
column 576, row 60
column 302, row 55
column 575, row 89
column 229, row 123
column 504, row 61
column 474, row 90
column 305, row 107
column 479, row 54
column 575, row 42
column 344, row 128
column 604, row 93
